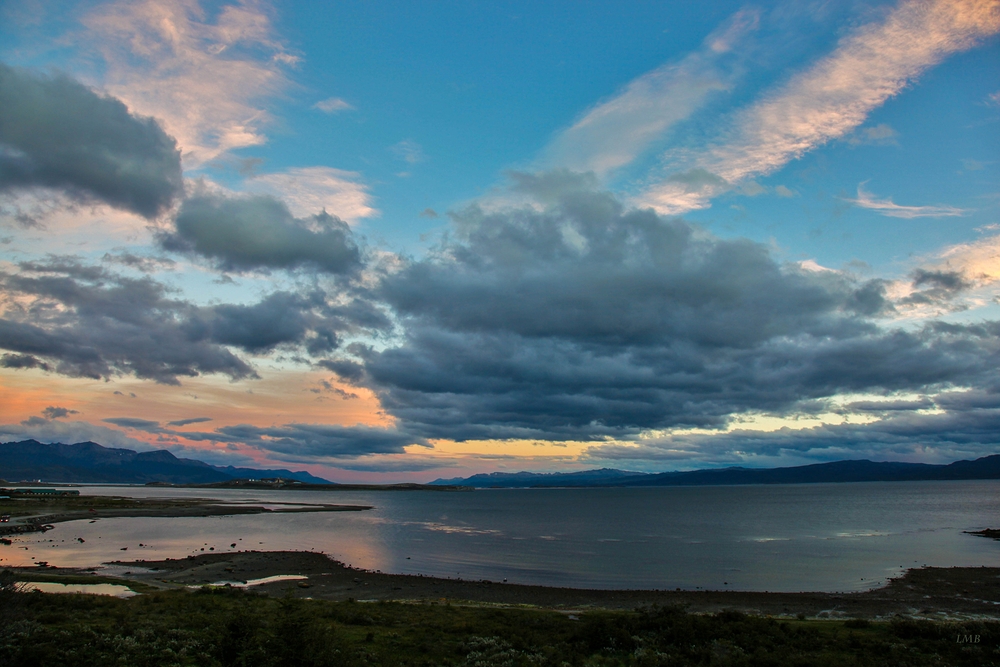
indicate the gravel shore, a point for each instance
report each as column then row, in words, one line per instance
column 931, row 593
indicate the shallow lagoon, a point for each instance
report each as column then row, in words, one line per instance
column 828, row 537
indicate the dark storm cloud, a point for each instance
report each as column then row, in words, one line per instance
column 279, row 318
column 57, row 133
column 95, row 324
column 84, row 321
column 589, row 271
column 970, row 428
column 580, row 319
column 889, row 406
column 284, row 318
column 870, row 299
column 313, row 441
column 258, row 232
column 22, row 361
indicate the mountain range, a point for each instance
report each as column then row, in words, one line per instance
column 987, row 467
column 89, row 462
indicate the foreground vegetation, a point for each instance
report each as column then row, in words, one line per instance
column 231, row 627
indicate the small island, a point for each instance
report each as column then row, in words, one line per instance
column 993, row 533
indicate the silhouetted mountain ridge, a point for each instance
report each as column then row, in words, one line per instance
column 89, row 462
column 987, row 467
column 601, row 477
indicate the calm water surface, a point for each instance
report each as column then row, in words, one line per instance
column 830, row 537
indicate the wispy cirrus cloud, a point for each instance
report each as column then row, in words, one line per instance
column 886, row 207
column 333, row 105
column 831, row 98
column 615, row 131
column 879, row 135
column 408, row 151
column 204, row 78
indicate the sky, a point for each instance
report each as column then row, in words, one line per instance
column 386, row 241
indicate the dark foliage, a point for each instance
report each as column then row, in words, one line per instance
column 229, row 627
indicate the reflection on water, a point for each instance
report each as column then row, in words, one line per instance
column 833, row 537
column 116, row 590
column 257, row 582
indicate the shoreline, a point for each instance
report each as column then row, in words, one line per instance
column 76, row 508
column 942, row 594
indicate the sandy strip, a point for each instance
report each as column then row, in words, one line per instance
column 931, row 593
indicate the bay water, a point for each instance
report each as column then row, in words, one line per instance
column 810, row 537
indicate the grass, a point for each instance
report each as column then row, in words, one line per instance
column 16, row 507
column 231, row 627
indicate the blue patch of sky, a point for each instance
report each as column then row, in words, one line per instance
column 476, row 88
column 943, row 153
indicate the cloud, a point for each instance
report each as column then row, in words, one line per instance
column 192, row 420
column 890, row 405
column 45, row 430
column 409, row 151
column 311, row 442
column 53, row 412
column 576, row 318
column 346, row 370
column 140, row 263
column 384, row 464
column 617, row 130
column 333, row 105
column 87, row 323
column 22, row 361
column 956, row 278
column 254, row 232
column 279, row 318
column 309, row 190
column 834, row 96
column 878, row 135
column 950, row 281
column 134, row 423
column 308, row 443
column 978, row 260
column 967, row 427
column 327, row 386
column 57, row 133
column 83, row 321
column 888, row 208
column 204, row 78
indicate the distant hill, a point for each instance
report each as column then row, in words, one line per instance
column 496, row 480
column 89, row 462
column 987, row 467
